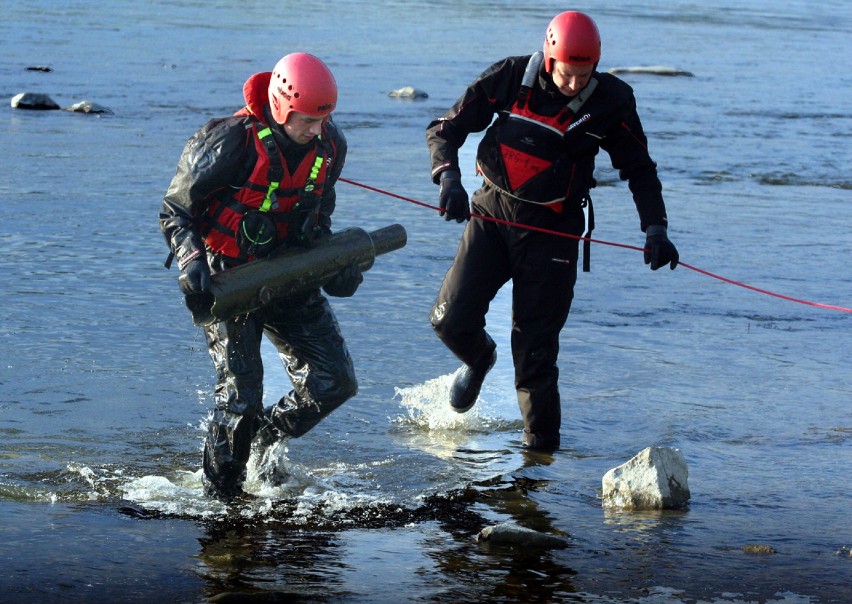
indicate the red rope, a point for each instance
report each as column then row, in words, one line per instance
column 610, row 243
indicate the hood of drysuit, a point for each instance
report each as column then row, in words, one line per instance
column 256, row 94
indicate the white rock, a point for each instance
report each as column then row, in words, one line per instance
column 408, row 92
column 88, row 107
column 33, row 100
column 655, row 479
column 508, row 533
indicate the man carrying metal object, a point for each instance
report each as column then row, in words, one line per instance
column 245, row 186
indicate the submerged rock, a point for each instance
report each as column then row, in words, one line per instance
column 88, row 107
column 759, row 549
column 508, row 533
column 661, row 70
column 654, row 479
column 33, row 100
column 408, row 92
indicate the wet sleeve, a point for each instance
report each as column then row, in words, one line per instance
column 211, row 160
column 627, row 147
column 474, row 111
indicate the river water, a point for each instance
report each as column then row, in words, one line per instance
column 106, row 384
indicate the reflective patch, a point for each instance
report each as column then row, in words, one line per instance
column 438, row 312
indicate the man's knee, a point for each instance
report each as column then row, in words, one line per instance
column 346, row 388
column 448, row 325
column 333, row 388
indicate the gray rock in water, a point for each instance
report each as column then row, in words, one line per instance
column 654, row 479
column 408, row 92
column 88, row 107
column 508, row 533
column 661, row 70
column 33, row 100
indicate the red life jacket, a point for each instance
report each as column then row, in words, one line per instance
column 523, row 153
column 271, row 189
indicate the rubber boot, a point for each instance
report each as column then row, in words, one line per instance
column 265, row 445
column 468, row 382
column 226, row 452
column 267, row 434
column 223, row 480
column 541, row 442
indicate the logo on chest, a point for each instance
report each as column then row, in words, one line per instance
column 586, row 117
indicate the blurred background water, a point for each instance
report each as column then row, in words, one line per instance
column 106, row 384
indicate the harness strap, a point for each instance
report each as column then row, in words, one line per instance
column 308, row 199
column 589, row 211
column 582, row 96
column 530, row 75
column 311, row 183
column 276, row 170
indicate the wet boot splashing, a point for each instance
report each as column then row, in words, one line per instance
column 222, row 480
column 468, row 382
column 226, row 452
column 268, row 456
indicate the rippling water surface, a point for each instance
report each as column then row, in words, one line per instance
column 106, row 384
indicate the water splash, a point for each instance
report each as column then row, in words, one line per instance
column 274, row 485
column 428, row 408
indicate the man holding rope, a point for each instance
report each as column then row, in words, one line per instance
column 554, row 113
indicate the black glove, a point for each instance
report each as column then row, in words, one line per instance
column 345, row 283
column 659, row 251
column 304, row 223
column 194, row 273
column 320, row 233
column 452, row 198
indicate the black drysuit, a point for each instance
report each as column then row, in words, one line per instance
column 542, row 266
column 215, row 162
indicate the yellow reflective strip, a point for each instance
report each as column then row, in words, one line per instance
column 316, row 168
column 267, row 202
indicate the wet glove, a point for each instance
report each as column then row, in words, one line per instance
column 345, row 283
column 659, row 251
column 194, row 273
column 452, row 198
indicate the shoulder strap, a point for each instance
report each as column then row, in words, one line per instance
column 530, row 75
column 276, row 170
column 583, row 96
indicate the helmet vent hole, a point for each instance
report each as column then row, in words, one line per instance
column 295, row 95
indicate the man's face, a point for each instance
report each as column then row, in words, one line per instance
column 303, row 128
column 569, row 78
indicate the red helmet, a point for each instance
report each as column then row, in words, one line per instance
column 572, row 37
column 301, row 82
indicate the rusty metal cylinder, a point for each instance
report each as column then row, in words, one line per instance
column 252, row 285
